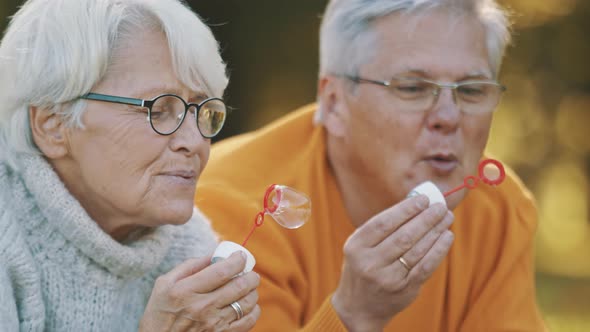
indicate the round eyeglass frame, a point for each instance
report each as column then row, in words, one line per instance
column 148, row 103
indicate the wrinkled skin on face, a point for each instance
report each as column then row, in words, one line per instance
column 123, row 173
column 378, row 151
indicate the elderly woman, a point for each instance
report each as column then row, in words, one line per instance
column 108, row 108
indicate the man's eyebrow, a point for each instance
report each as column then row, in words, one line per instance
column 414, row 71
column 474, row 75
column 477, row 74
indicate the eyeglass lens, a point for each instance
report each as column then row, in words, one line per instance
column 168, row 112
column 475, row 97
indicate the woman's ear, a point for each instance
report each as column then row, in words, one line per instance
column 332, row 105
column 49, row 132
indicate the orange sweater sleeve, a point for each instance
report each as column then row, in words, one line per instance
column 325, row 319
column 506, row 300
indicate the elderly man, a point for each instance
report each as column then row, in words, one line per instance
column 406, row 94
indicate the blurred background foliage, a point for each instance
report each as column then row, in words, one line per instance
column 541, row 128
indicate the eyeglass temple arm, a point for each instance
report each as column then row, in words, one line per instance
column 117, row 99
column 357, row 79
column 459, row 84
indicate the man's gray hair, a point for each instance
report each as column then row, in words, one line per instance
column 54, row 51
column 348, row 40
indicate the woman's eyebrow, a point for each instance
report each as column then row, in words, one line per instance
column 197, row 96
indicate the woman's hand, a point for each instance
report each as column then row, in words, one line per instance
column 196, row 296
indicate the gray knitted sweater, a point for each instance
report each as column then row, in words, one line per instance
column 60, row 272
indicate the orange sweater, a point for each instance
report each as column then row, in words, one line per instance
column 486, row 283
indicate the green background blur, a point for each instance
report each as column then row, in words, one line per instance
column 541, row 128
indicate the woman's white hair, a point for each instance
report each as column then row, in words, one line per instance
column 54, row 51
column 348, row 40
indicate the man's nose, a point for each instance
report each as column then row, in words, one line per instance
column 445, row 114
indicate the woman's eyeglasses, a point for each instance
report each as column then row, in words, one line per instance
column 166, row 112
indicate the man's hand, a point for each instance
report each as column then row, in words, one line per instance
column 375, row 285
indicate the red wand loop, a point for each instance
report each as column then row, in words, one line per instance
column 470, row 182
column 259, row 219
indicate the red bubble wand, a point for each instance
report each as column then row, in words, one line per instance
column 259, row 219
column 288, row 207
column 471, row 181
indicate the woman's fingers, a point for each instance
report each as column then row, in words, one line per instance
column 247, row 322
column 183, row 325
column 166, row 294
column 187, row 268
column 215, row 275
column 211, row 317
column 191, row 296
column 249, row 302
column 236, row 289
column 245, row 304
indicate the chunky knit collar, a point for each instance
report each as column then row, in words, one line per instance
column 38, row 195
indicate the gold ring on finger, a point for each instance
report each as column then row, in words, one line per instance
column 404, row 263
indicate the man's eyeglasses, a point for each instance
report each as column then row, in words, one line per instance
column 166, row 112
column 418, row 94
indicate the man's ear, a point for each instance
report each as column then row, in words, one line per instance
column 49, row 132
column 332, row 105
